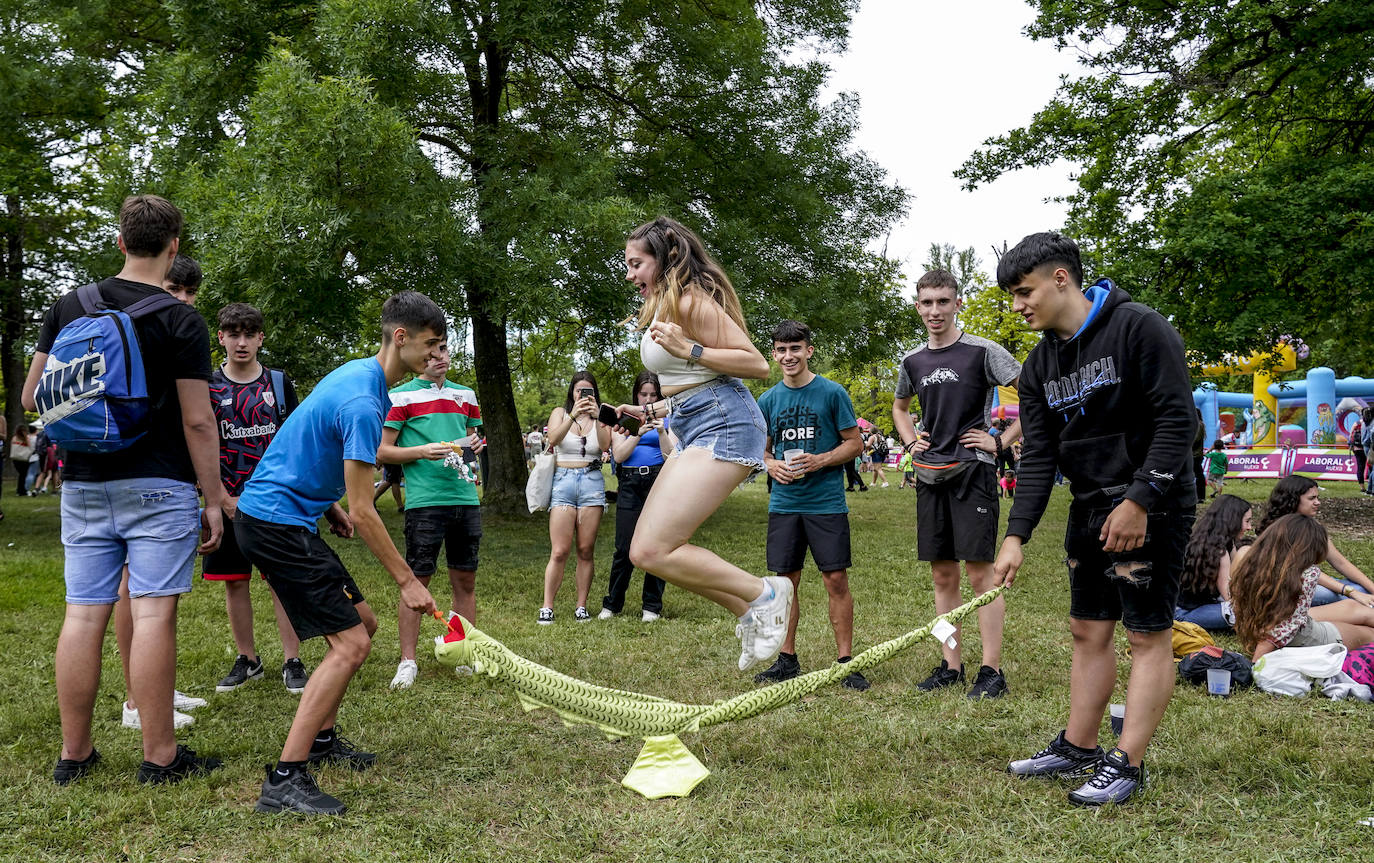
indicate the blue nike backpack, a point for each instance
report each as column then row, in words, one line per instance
column 93, row 395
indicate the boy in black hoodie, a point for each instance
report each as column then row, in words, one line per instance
column 1105, row 398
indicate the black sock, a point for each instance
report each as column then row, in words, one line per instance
column 788, row 655
column 844, row 658
column 286, row 768
column 324, row 739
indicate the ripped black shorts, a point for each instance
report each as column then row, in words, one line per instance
column 1139, row 587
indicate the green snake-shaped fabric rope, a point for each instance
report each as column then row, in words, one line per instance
column 619, row 713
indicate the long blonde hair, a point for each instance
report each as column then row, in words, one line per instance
column 683, row 265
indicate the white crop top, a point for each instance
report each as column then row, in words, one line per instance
column 671, row 371
column 573, row 448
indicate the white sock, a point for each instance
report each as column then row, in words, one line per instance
column 766, row 596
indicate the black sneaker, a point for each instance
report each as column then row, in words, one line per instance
column 341, row 750
column 785, row 667
column 1114, row 782
column 855, row 681
column 243, row 671
column 941, row 677
column 1059, row 760
column 296, row 793
column 185, row 763
column 68, row 770
column 988, row 684
column 294, row 675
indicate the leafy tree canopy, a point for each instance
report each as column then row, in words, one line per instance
column 1224, row 162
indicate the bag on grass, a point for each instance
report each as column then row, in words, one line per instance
column 539, row 487
column 1359, row 664
column 1292, row 670
column 1190, row 638
column 1194, row 666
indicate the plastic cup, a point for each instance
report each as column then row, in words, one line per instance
column 791, row 455
column 1218, row 681
column 1118, row 712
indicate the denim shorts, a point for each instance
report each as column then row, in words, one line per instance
column 720, row 416
column 579, row 487
column 153, row 522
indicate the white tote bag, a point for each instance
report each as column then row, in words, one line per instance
column 539, row 488
column 1292, row 670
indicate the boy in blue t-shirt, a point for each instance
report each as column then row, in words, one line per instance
column 812, row 434
column 325, row 449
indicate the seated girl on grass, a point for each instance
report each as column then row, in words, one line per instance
column 1302, row 495
column 1272, row 588
column 1214, row 548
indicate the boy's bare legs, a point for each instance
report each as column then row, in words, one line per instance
column 78, row 675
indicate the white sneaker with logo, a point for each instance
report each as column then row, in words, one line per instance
column 763, row 628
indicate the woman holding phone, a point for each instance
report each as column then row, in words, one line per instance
column 639, row 451
column 695, row 341
column 579, row 491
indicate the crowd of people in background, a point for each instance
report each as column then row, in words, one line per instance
column 1105, row 403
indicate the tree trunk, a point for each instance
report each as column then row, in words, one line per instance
column 505, row 483
column 12, row 370
column 505, row 490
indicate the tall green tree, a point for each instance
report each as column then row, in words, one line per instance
column 495, row 153
column 52, row 104
column 1224, row 162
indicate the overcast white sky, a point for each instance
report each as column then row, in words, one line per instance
column 934, row 80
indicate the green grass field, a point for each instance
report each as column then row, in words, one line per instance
column 465, row 775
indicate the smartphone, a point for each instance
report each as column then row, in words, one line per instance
column 629, row 424
column 607, row 415
column 585, row 392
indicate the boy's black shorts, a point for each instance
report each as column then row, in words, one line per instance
column 1138, row 588
column 457, row 528
column 316, row 591
column 791, row 533
column 957, row 520
column 227, row 562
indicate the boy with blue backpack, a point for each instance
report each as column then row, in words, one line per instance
column 120, row 376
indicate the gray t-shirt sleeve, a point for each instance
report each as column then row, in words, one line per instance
column 1002, row 367
column 905, row 389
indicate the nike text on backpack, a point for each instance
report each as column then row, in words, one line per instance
column 93, row 395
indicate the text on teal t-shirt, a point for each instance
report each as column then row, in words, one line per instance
column 808, row 418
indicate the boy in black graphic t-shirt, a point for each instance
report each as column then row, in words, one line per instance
column 954, row 376
column 1106, row 399
column 250, row 402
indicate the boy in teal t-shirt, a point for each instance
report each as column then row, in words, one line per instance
column 1216, row 467
column 428, row 415
column 812, row 433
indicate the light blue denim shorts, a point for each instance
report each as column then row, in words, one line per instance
column 579, row 487
column 152, row 522
column 720, row 416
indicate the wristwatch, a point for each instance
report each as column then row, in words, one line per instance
column 695, row 356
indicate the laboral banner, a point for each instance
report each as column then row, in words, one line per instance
column 1327, row 464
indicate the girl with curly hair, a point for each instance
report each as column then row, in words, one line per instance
column 1213, row 549
column 1301, row 495
column 1272, row 590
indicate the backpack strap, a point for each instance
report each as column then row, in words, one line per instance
column 90, row 298
column 148, row 305
column 278, row 379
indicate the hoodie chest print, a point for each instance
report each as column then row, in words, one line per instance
column 1072, row 390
